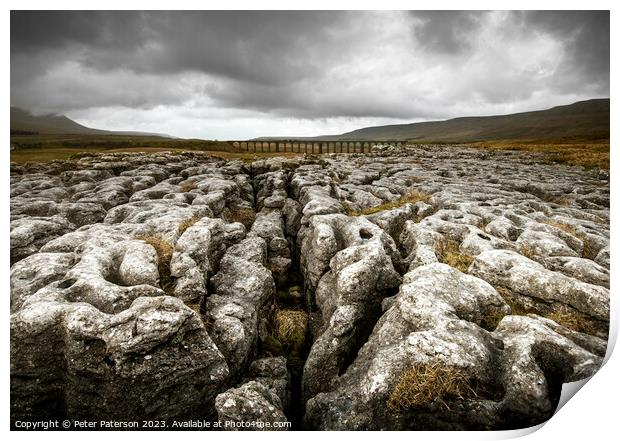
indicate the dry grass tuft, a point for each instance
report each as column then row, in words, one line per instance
column 410, row 198
column 164, row 251
column 420, row 385
column 491, row 320
column 509, row 298
column 572, row 319
column 563, row 200
column 291, row 326
column 589, row 154
column 588, row 252
column 448, row 252
column 187, row 186
column 244, row 215
column 186, row 224
column 562, row 226
column 195, row 306
column 528, row 252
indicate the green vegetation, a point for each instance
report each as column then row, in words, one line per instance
column 578, row 122
column 422, row 384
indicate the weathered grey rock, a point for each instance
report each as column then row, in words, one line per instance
column 269, row 225
column 431, row 320
column 29, row 234
column 525, row 277
column 152, row 360
column 252, row 406
column 36, row 271
column 349, row 299
column 536, row 360
column 261, row 400
column 602, row 258
column 243, row 296
column 544, row 244
column 139, row 265
column 197, row 255
column 582, row 269
column 326, row 235
column 91, row 266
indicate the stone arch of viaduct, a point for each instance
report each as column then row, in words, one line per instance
column 317, row 147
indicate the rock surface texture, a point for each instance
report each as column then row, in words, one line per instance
column 419, row 287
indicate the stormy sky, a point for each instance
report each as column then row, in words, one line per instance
column 236, row 74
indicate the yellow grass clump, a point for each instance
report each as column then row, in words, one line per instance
column 186, row 224
column 572, row 319
column 562, row 226
column 587, row 154
column 410, row 198
column 448, row 252
column 291, row 326
column 244, row 215
column 528, row 252
column 422, row 384
column 187, row 186
column 164, row 251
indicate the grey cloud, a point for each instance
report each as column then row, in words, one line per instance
column 304, row 64
column 445, row 31
column 266, row 47
column 589, row 35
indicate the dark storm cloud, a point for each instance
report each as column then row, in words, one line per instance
column 588, row 34
column 300, row 64
column 260, row 46
column 445, row 32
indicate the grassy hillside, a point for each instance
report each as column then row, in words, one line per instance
column 25, row 123
column 578, row 122
column 46, row 147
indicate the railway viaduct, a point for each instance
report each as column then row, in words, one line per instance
column 309, row 146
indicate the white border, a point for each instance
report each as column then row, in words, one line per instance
column 592, row 415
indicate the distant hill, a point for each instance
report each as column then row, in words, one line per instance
column 25, row 123
column 584, row 120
